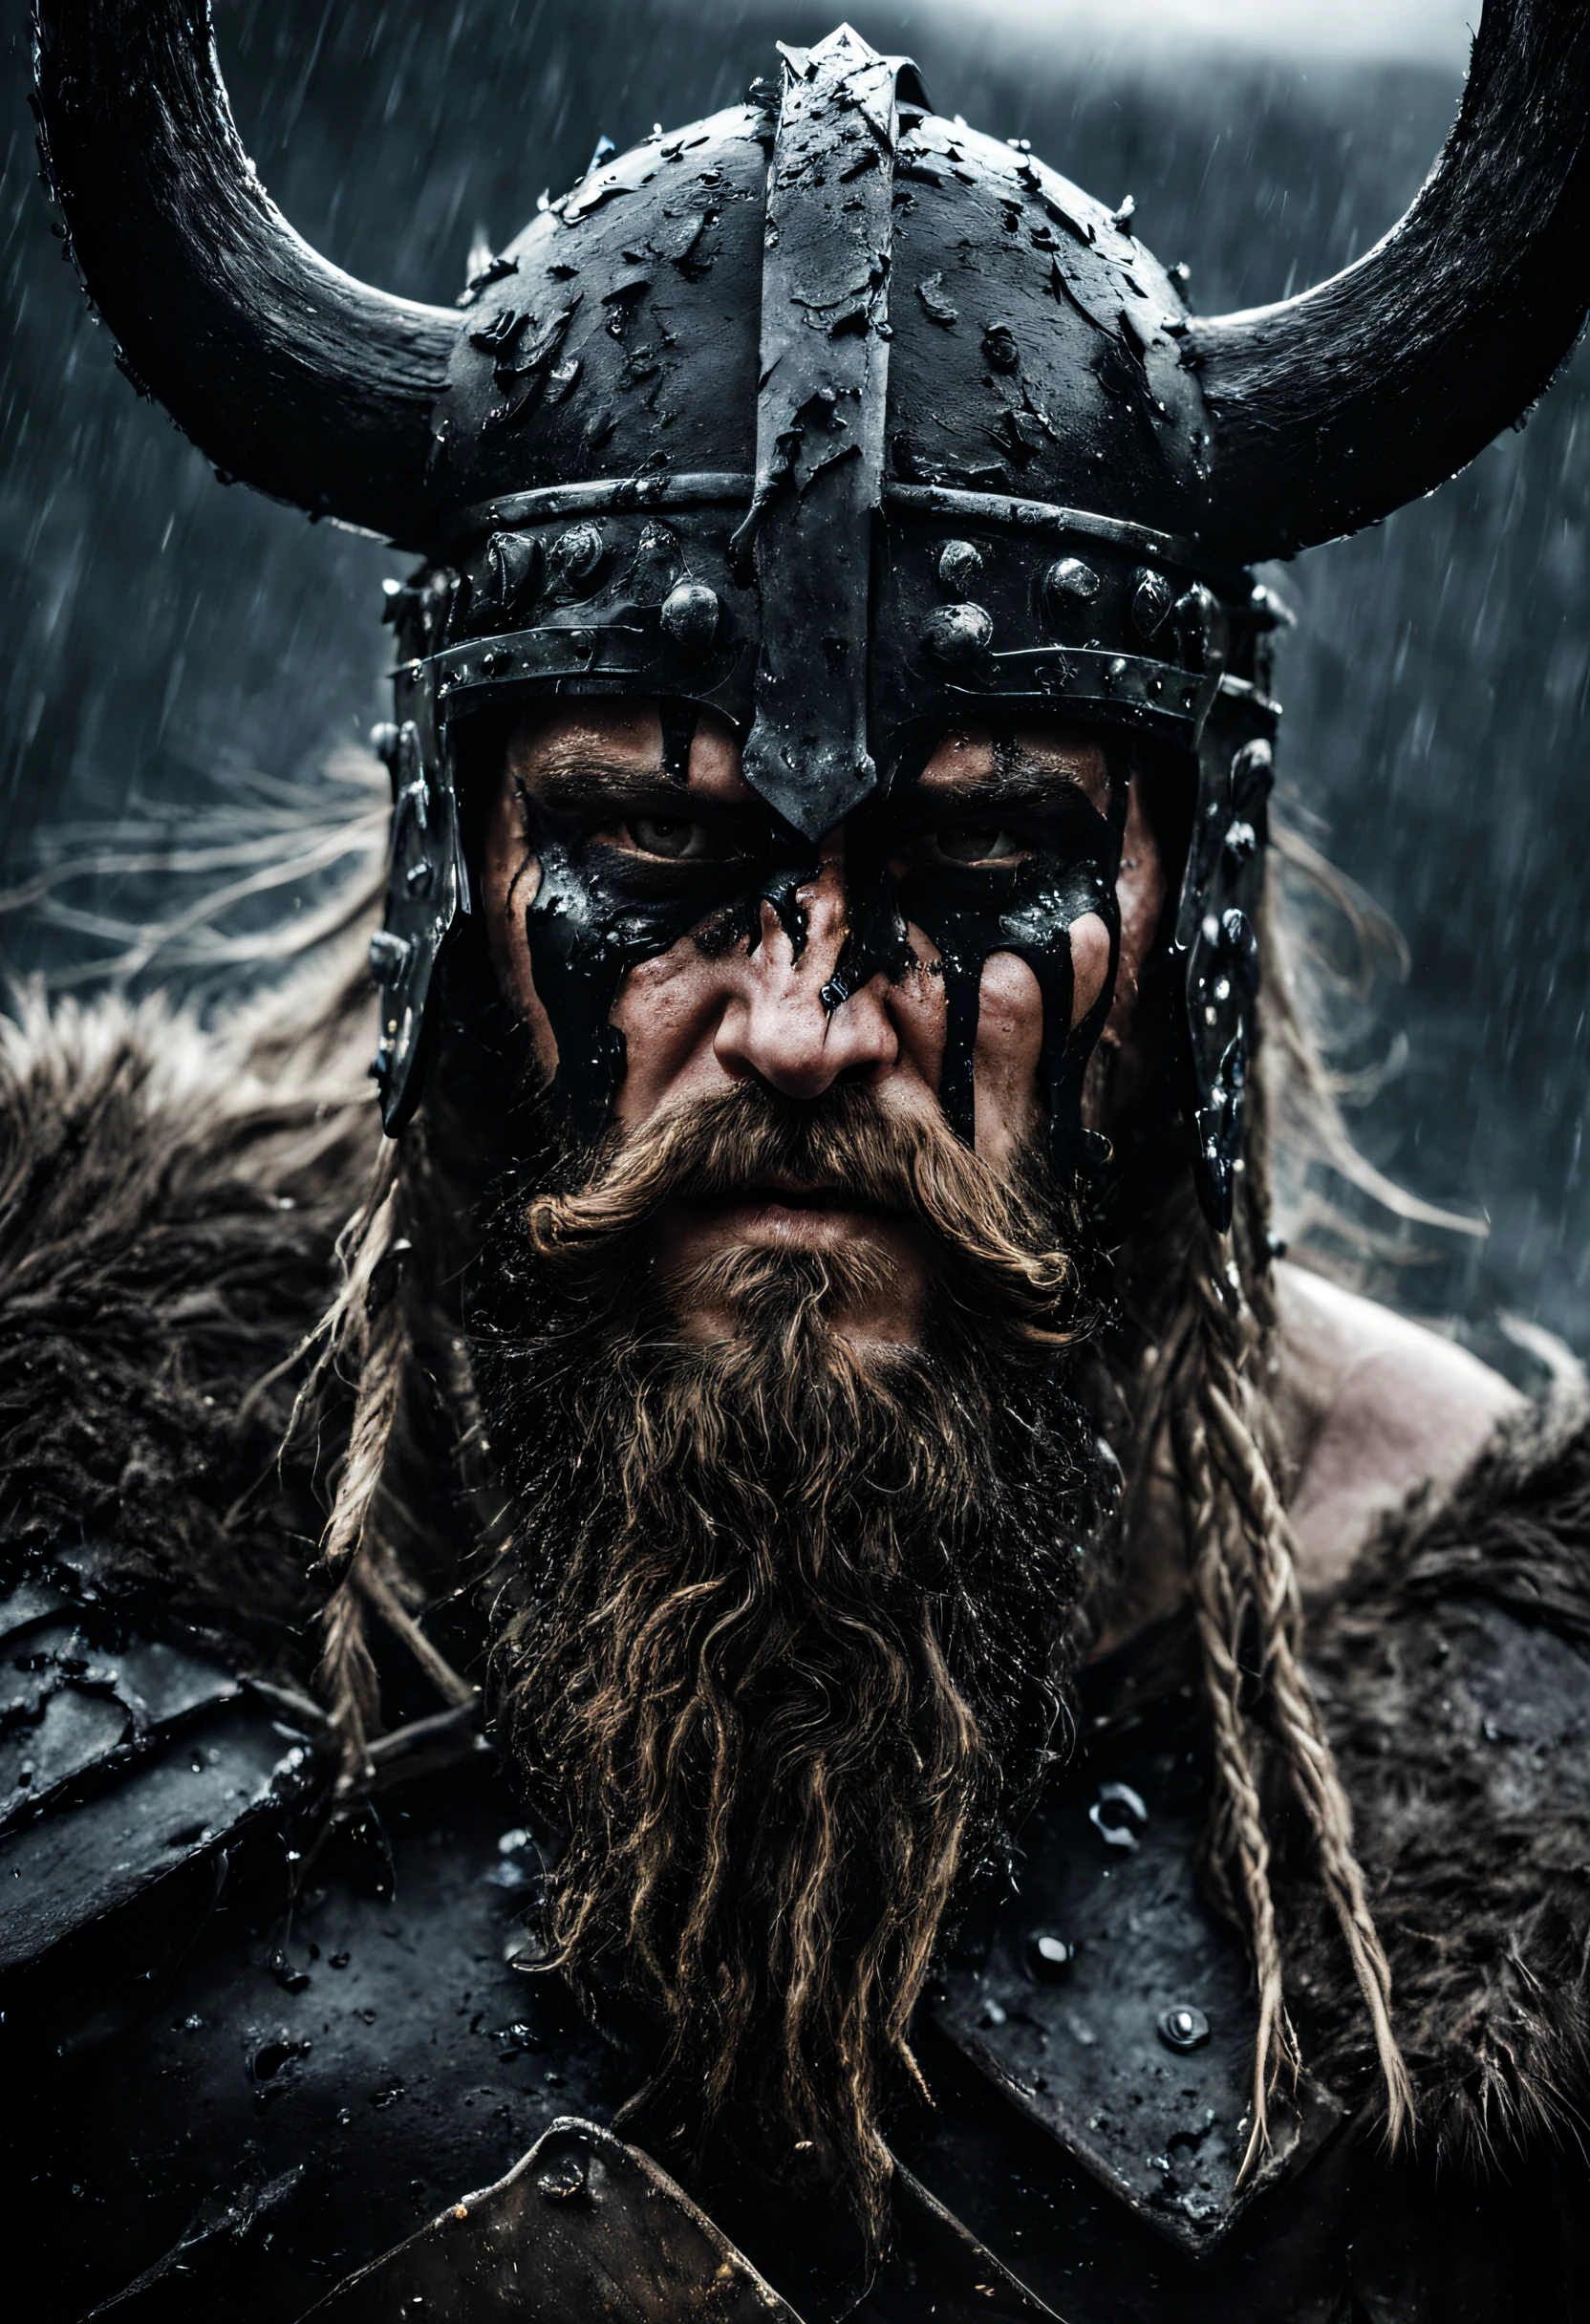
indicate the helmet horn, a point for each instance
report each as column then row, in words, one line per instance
column 287, row 372
column 1333, row 408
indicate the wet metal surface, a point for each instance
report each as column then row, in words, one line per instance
column 1115, row 2008
column 582, row 2227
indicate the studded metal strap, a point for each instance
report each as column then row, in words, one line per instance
column 820, row 426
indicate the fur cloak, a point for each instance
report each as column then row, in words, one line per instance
column 170, row 1200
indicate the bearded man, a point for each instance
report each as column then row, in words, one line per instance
column 843, row 1696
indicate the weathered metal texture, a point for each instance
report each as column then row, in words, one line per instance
column 584, row 2230
column 264, row 2094
column 1113, row 2004
column 936, row 2258
column 823, row 372
column 121, row 1760
column 1331, row 407
column 242, row 2123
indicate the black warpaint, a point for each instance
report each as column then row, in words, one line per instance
column 678, row 732
column 599, row 912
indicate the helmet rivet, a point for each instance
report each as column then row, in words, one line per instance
column 1200, row 627
column 513, row 560
column 1067, row 584
column 1184, row 2028
column 1150, row 600
column 578, row 555
column 959, row 564
column 958, row 636
column 689, row 615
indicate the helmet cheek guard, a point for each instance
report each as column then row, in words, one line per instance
column 852, row 426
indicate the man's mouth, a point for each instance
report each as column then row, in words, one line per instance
column 824, row 1197
column 774, row 1211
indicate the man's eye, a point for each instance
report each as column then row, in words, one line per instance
column 670, row 836
column 977, row 843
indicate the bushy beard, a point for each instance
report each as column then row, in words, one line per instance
column 780, row 1641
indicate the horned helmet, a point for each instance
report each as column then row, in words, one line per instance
column 851, row 424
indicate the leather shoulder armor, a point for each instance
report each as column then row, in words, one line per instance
column 121, row 1759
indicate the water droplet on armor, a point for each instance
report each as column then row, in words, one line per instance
column 1049, row 1957
column 1114, row 1811
column 935, row 303
column 1183, row 2028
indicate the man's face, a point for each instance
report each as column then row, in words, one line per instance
column 699, row 1020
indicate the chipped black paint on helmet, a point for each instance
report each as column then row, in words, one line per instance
column 844, row 420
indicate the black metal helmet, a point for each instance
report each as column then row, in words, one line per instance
column 842, row 419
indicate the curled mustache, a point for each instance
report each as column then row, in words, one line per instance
column 1004, row 1243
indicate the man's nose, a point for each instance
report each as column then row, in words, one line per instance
column 776, row 1024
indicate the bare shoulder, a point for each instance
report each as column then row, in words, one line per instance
column 1374, row 1406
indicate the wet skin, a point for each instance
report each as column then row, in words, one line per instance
column 808, row 968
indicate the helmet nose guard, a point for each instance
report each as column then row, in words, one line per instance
column 823, row 390
column 835, row 417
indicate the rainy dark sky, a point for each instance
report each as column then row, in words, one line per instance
column 165, row 635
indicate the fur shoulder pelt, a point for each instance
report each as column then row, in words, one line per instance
column 170, row 1198
column 1455, row 1673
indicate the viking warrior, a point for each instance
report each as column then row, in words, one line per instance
column 757, row 1657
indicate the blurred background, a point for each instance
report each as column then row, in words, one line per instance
column 172, row 646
